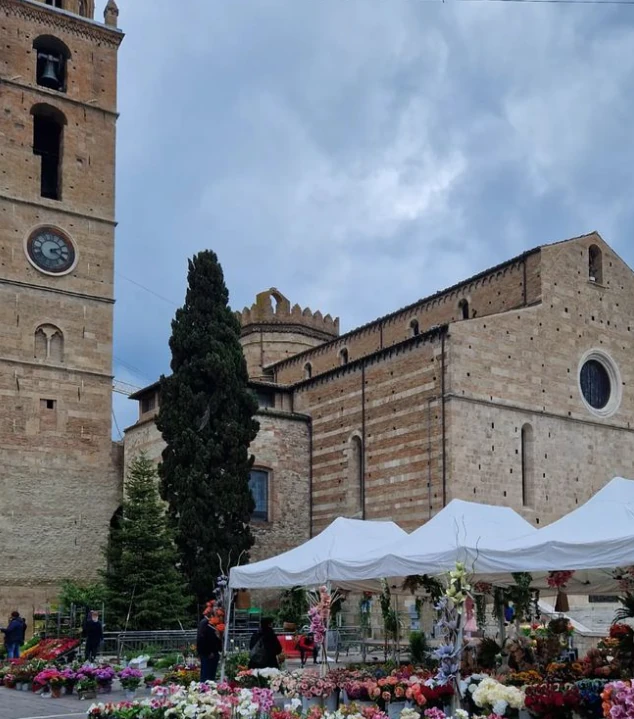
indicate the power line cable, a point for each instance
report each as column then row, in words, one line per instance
column 147, row 289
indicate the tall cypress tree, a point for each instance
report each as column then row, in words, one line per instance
column 145, row 590
column 207, row 421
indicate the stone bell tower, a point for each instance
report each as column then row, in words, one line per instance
column 60, row 480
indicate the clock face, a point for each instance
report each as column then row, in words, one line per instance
column 51, row 251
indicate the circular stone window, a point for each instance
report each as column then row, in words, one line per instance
column 600, row 383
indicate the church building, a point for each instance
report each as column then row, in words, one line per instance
column 514, row 387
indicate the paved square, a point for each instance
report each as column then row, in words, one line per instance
column 26, row 705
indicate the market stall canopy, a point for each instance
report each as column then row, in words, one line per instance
column 599, row 535
column 452, row 535
column 321, row 559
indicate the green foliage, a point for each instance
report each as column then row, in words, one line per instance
column 207, row 421
column 293, row 605
column 83, row 596
column 234, row 663
column 418, row 648
column 432, row 586
column 626, row 610
column 144, row 589
column 169, row 660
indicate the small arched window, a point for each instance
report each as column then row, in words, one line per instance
column 344, row 357
column 463, row 306
column 49, row 343
column 259, row 486
column 414, row 327
column 528, row 466
column 595, row 264
column 48, row 135
column 56, row 3
column 52, row 60
column 355, row 477
column 308, row 370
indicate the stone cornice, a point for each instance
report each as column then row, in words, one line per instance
column 282, row 328
column 63, row 20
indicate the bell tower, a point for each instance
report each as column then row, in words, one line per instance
column 60, row 479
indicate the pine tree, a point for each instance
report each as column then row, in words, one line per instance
column 145, row 590
column 207, row 421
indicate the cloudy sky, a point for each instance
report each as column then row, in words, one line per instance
column 359, row 154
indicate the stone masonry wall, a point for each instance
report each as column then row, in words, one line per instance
column 498, row 290
column 523, row 368
column 282, row 448
column 61, row 477
column 400, row 431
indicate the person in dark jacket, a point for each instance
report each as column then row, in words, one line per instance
column 208, row 648
column 14, row 635
column 93, row 634
column 264, row 647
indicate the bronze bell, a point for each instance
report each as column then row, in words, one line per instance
column 49, row 77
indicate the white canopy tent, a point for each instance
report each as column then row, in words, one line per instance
column 452, row 535
column 324, row 558
column 593, row 540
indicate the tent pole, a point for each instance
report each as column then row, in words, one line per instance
column 227, row 630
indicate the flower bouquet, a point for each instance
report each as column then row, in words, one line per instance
column 52, row 679
column 496, row 698
column 286, row 683
column 314, row 689
column 429, row 693
column 70, row 679
column 552, row 701
column 590, row 691
column 250, row 678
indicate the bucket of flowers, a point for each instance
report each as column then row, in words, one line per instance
column 315, row 690
column 105, row 676
column 496, row 698
column 392, row 694
column 86, row 686
column 51, row 679
column 552, row 701
column 130, row 679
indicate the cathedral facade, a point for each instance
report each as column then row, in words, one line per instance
column 513, row 388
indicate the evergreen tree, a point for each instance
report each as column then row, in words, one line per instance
column 207, row 421
column 145, row 590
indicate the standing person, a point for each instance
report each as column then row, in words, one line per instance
column 306, row 646
column 14, row 635
column 208, row 648
column 264, row 647
column 93, row 634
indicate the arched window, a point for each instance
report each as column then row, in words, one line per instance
column 49, row 343
column 259, row 486
column 595, row 264
column 528, row 466
column 48, row 135
column 56, row 3
column 308, row 370
column 463, row 306
column 355, row 477
column 52, row 59
column 344, row 357
column 414, row 327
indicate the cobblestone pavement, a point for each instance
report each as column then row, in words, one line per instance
column 26, row 705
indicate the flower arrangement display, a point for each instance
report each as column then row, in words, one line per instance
column 130, row 678
column 428, row 693
column 526, row 678
column 50, row 678
column 552, row 701
column 388, row 689
column 498, row 698
column 618, row 700
column 182, row 675
column 50, row 649
column 319, row 614
column 286, row 683
column 249, row 678
column 559, row 580
column 313, row 686
column 590, row 703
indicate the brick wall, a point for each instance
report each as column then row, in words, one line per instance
column 511, row 285
column 392, row 403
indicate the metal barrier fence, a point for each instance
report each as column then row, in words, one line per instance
column 162, row 642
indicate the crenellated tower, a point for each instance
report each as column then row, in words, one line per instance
column 271, row 333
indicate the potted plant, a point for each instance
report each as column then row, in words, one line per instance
column 293, row 608
column 130, row 679
column 86, row 687
column 70, row 679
